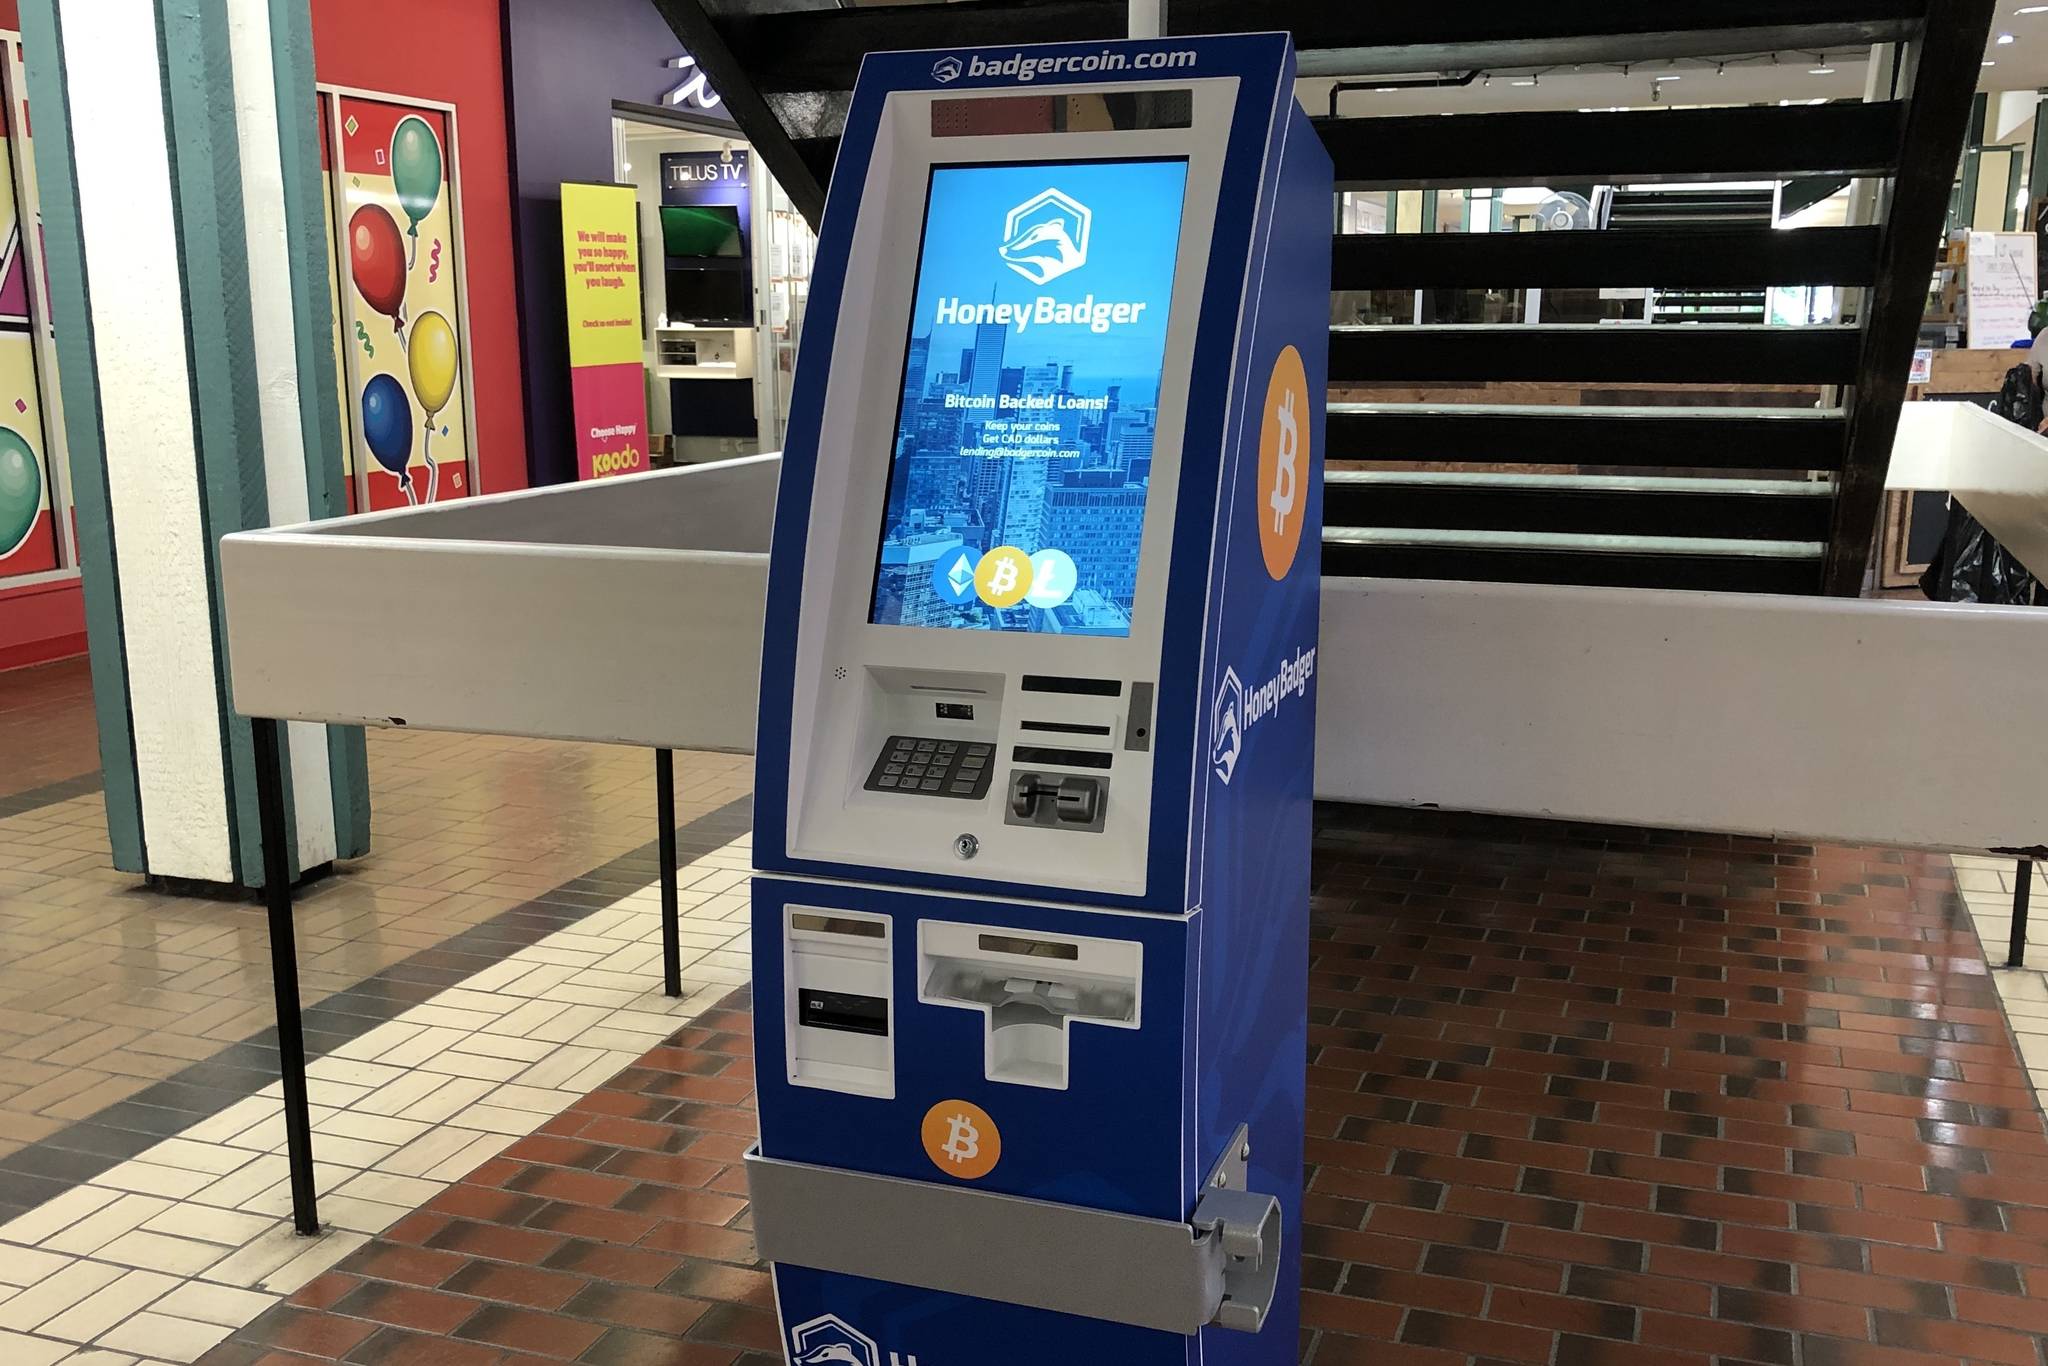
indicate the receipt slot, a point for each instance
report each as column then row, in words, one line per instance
column 1037, row 707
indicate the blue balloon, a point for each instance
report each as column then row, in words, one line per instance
column 387, row 423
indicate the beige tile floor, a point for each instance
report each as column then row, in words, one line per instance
column 162, row 1256
column 1987, row 885
column 106, row 986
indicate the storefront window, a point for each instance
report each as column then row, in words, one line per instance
column 37, row 538
column 726, row 262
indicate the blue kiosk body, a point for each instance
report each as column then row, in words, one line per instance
column 1037, row 722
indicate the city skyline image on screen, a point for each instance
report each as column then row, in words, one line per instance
column 1023, row 445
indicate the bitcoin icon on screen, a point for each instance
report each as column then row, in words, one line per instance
column 1003, row 577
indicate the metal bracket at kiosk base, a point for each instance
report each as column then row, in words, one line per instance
column 1220, row 1267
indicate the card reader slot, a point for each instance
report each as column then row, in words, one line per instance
column 843, row 1011
column 1042, row 757
column 1063, row 728
column 1084, row 687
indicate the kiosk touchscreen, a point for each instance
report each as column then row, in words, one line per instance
column 1036, row 737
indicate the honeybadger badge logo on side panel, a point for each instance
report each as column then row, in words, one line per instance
column 832, row 1341
column 946, row 70
column 829, row 1340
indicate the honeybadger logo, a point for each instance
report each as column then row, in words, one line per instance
column 1238, row 709
column 946, row 70
column 831, row 1341
column 1229, row 741
column 1046, row 236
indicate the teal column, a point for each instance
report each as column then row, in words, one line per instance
column 176, row 151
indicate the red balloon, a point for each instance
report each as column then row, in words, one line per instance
column 376, row 258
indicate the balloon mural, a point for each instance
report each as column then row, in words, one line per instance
column 21, row 491
column 381, row 262
column 432, row 360
column 415, row 174
column 387, row 429
column 376, row 258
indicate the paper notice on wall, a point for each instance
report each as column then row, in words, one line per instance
column 2005, row 284
column 1923, row 367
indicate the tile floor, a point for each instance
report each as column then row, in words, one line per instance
column 108, row 989
column 1578, row 1096
column 1987, row 885
column 160, row 1257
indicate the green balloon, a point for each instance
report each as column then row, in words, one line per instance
column 21, row 490
column 415, row 168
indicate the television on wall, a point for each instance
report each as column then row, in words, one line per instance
column 705, row 293
column 701, row 231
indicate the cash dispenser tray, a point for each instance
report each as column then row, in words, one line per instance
column 1219, row 1267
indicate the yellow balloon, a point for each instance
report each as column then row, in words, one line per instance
column 430, row 355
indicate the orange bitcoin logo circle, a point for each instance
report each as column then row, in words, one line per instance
column 961, row 1140
column 1284, row 456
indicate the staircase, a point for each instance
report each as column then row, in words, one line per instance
column 1577, row 453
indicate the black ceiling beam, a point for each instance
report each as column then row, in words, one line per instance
column 1710, row 258
column 1674, row 145
column 734, row 81
column 1638, row 354
column 1586, row 436
column 821, row 49
column 1946, row 66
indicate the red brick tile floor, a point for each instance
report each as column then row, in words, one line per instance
column 1578, row 1095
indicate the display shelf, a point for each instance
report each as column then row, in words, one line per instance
column 626, row 610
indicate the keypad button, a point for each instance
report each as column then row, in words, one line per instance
column 974, row 761
column 980, row 749
column 915, row 770
column 948, row 746
column 927, row 745
column 886, row 781
column 900, row 756
column 893, row 770
column 966, row 787
column 930, row 785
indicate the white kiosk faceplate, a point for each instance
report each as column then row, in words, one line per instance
column 940, row 711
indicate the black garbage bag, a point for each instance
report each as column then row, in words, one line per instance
column 1974, row 567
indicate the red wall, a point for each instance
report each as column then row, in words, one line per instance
column 42, row 622
column 446, row 50
column 46, row 621
column 452, row 50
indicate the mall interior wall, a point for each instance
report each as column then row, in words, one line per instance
column 452, row 52
column 184, row 240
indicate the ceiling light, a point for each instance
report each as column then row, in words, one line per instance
column 1530, row 81
column 1387, row 90
column 2006, row 40
column 1671, row 78
column 1991, row 63
column 1822, row 71
column 2032, row 9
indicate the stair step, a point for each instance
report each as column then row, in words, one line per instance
column 1690, row 353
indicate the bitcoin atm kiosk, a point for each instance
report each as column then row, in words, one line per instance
column 1037, row 710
